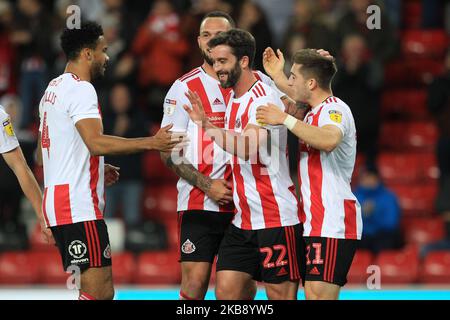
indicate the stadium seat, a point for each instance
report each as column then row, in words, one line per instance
column 398, row 267
column 50, row 267
column 405, row 103
column 423, row 230
column 358, row 271
column 416, row 199
column 411, row 136
column 158, row 268
column 124, row 267
column 155, row 170
column 424, row 43
column 160, row 201
column 412, row 72
column 18, row 268
column 436, row 268
column 172, row 232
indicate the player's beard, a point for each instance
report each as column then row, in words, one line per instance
column 207, row 57
column 233, row 76
column 98, row 70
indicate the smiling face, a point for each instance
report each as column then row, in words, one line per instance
column 301, row 86
column 226, row 65
column 209, row 28
column 100, row 59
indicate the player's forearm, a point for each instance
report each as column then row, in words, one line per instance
column 235, row 144
column 184, row 169
column 297, row 110
column 112, row 145
column 318, row 138
column 282, row 83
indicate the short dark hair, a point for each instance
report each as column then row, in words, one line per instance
column 74, row 40
column 220, row 14
column 316, row 66
column 241, row 42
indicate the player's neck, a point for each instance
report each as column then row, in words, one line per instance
column 245, row 82
column 317, row 99
column 78, row 70
column 209, row 70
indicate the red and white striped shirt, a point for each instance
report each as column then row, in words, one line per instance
column 329, row 208
column 73, row 179
column 263, row 191
column 206, row 156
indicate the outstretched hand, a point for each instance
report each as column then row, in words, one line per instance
column 273, row 63
column 197, row 112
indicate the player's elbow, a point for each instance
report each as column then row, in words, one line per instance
column 95, row 149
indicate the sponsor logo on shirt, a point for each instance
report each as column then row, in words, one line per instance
column 7, row 125
column 169, row 106
column 335, row 116
column 217, row 102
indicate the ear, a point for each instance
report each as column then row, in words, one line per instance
column 244, row 62
column 312, row 84
column 87, row 54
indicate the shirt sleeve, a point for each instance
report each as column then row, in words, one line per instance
column 268, row 81
column 336, row 115
column 262, row 101
column 84, row 104
column 174, row 112
column 8, row 139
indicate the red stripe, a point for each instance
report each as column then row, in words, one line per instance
column 301, row 203
column 244, row 116
column 255, row 92
column 44, row 210
column 350, row 219
column 258, row 89
column 271, row 211
column 204, row 166
column 180, row 220
column 294, row 252
column 63, row 212
column 94, row 176
column 97, row 240
column 327, row 261
column 233, row 114
column 190, row 73
column 93, row 245
column 335, row 100
column 333, row 259
column 225, row 94
column 246, row 223
column 89, row 241
column 336, row 242
column 257, row 76
column 315, row 179
column 288, row 243
column 262, row 89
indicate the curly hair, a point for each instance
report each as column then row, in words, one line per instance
column 74, row 40
column 241, row 42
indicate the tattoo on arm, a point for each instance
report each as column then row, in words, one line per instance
column 187, row 171
column 297, row 110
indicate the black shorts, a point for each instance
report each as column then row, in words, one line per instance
column 83, row 244
column 273, row 255
column 200, row 233
column 329, row 259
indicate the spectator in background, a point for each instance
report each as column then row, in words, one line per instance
column 329, row 12
column 249, row 16
column 32, row 37
column 125, row 120
column 160, row 48
column 382, row 43
column 439, row 106
column 304, row 22
column 7, row 52
column 358, row 82
column 380, row 213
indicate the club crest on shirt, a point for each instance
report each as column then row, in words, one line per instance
column 335, row 116
column 238, row 123
column 7, row 125
column 188, row 247
column 169, row 106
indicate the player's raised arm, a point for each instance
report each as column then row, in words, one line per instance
column 91, row 131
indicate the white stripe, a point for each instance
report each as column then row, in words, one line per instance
column 50, row 205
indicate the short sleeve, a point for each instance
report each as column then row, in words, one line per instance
column 84, row 104
column 262, row 101
column 336, row 115
column 174, row 112
column 8, row 139
column 268, row 81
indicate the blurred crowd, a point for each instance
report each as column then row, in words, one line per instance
column 152, row 43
